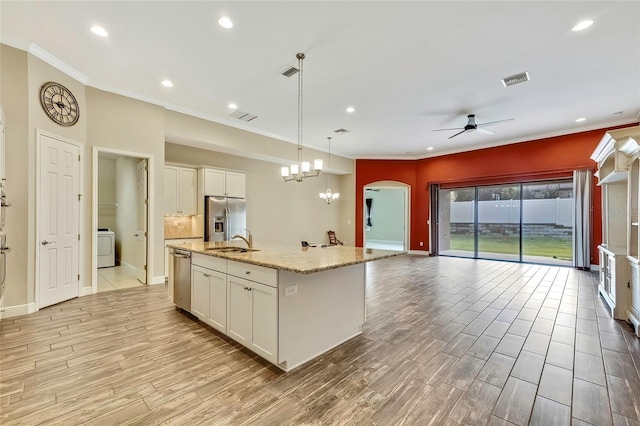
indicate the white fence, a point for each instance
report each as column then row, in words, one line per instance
column 557, row 211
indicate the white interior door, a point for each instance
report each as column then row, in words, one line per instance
column 58, row 218
column 141, row 228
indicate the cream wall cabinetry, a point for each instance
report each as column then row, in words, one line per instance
column 618, row 174
column 180, row 190
column 222, row 183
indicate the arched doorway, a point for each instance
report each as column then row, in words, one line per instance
column 386, row 216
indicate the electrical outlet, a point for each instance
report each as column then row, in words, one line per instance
column 175, row 223
column 421, row 244
column 291, row 290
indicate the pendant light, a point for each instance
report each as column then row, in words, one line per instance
column 302, row 170
column 329, row 196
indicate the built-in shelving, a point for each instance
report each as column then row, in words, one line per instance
column 618, row 158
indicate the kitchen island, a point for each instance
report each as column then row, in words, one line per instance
column 286, row 303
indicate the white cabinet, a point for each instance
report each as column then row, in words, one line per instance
column 2, row 150
column 209, row 290
column 253, row 316
column 222, row 183
column 614, row 276
column 209, row 297
column 180, row 190
column 252, row 308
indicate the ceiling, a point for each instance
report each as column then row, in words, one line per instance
column 406, row 67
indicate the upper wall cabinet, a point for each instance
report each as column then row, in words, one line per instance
column 180, row 190
column 222, row 183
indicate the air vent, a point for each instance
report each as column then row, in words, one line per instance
column 515, row 79
column 241, row 115
column 341, row 131
column 290, row 72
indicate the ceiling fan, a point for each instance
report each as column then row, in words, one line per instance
column 473, row 127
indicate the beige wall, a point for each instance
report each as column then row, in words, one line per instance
column 121, row 123
column 14, row 83
column 106, row 193
column 288, row 212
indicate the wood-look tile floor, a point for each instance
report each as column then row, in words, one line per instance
column 447, row 341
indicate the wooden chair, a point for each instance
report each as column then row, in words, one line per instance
column 333, row 241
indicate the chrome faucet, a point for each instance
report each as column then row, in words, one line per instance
column 249, row 241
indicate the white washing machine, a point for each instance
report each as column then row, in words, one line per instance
column 106, row 248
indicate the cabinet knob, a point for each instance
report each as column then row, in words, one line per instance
column 248, row 272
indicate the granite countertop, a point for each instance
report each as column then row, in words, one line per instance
column 289, row 257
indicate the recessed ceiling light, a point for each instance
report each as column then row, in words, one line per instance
column 225, row 22
column 167, row 83
column 582, row 25
column 581, row 119
column 430, row 148
column 233, row 106
column 98, row 30
column 350, row 109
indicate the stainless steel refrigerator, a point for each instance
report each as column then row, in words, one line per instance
column 224, row 217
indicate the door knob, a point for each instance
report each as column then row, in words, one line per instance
column 4, row 250
column 44, row 242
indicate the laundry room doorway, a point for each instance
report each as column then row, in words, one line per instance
column 121, row 220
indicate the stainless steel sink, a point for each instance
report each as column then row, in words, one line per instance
column 231, row 249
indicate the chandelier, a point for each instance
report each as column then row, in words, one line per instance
column 302, row 170
column 328, row 195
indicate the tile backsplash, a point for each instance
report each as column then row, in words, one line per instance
column 180, row 227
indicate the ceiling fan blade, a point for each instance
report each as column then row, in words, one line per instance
column 459, row 133
column 491, row 123
column 485, row 131
column 442, row 130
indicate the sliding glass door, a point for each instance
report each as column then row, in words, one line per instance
column 499, row 222
column 547, row 222
column 456, row 222
column 521, row 222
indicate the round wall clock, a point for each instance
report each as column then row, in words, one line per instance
column 59, row 104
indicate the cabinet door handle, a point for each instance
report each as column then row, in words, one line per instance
column 248, row 272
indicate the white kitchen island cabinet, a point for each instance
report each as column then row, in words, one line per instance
column 253, row 316
column 287, row 304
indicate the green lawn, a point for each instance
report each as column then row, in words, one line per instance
column 559, row 248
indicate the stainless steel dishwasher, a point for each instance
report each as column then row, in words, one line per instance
column 181, row 279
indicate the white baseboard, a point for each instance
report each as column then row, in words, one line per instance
column 594, row 268
column 85, row 291
column 157, row 280
column 18, row 310
column 420, row 252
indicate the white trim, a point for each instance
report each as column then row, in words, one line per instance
column 18, row 310
column 635, row 321
column 420, row 252
column 594, row 268
column 86, row 291
column 81, row 210
column 158, row 280
column 94, row 211
column 47, row 57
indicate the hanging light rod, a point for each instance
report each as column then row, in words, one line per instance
column 329, row 196
column 302, row 170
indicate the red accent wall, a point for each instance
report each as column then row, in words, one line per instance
column 542, row 158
